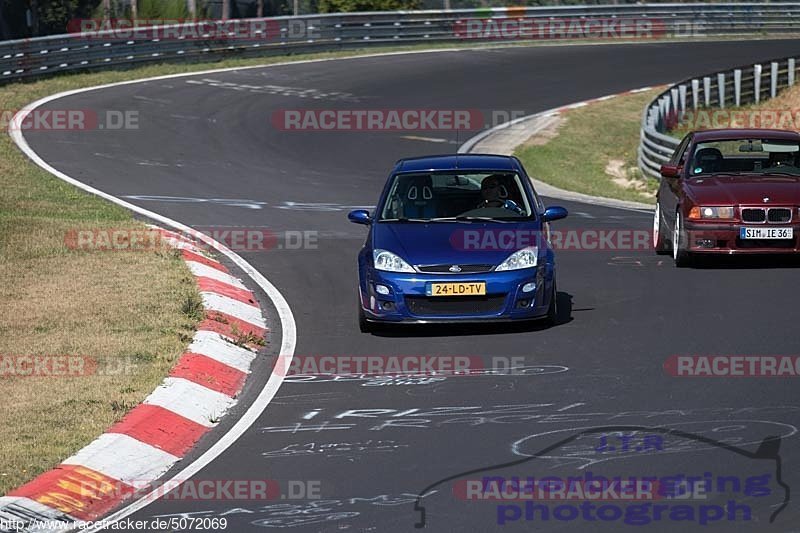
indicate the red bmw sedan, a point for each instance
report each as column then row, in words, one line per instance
column 730, row 191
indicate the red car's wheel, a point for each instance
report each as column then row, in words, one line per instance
column 679, row 253
column 659, row 240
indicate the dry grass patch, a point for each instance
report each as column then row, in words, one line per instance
column 593, row 150
column 123, row 310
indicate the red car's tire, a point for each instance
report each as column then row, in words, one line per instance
column 659, row 233
column 679, row 253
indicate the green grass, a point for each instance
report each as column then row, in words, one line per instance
column 586, row 142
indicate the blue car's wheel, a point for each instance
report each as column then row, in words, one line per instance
column 363, row 324
column 552, row 310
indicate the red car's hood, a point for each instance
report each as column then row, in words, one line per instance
column 744, row 190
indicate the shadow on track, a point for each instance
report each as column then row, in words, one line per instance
column 745, row 262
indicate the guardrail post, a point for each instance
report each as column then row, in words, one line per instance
column 695, row 93
column 737, row 86
column 790, row 68
column 675, row 107
column 721, row 88
column 663, row 111
column 682, row 93
column 773, row 79
column 757, row 83
column 707, row 90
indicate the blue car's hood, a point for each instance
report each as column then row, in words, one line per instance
column 455, row 243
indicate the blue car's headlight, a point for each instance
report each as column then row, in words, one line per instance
column 525, row 258
column 385, row 260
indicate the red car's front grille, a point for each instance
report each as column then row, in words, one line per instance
column 754, row 215
column 772, row 215
column 779, row 215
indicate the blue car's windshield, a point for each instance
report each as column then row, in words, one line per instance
column 444, row 196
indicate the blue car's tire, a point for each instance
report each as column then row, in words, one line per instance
column 552, row 310
column 364, row 325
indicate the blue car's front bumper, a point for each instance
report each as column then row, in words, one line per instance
column 407, row 300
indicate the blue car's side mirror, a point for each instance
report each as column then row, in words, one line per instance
column 554, row 213
column 359, row 216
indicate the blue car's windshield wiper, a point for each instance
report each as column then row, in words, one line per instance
column 469, row 219
column 447, row 219
column 404, row 219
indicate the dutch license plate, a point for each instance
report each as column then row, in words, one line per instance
column 467, row 288
column 766, row 233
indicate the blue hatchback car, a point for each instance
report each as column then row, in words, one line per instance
column 457, row 238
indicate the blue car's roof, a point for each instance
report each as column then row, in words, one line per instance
column 457, row 161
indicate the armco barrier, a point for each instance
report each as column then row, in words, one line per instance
column 42, row 56
column 744, row 85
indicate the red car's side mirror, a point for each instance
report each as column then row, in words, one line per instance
column 670, row 171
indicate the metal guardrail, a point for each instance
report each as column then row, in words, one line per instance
column 740, row 86
column 44, row 56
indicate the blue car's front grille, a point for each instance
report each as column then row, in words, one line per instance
column 462, row 269
column 458, row 305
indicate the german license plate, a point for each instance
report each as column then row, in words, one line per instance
column 467, row 288
column 766, row 233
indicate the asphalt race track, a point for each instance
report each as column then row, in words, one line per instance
column 623, row 312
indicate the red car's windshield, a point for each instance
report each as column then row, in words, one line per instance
column 760, row 156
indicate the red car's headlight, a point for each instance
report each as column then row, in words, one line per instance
column 699, row 212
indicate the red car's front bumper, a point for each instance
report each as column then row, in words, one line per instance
column 723, row 238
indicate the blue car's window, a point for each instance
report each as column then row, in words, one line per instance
column 449, row 195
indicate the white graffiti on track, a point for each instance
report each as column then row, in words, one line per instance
column 417, row 378
column 335, row 449
column 582, row 451
column 306, row 513
column 319, row 206
column 380, row 419
column 282, row 90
